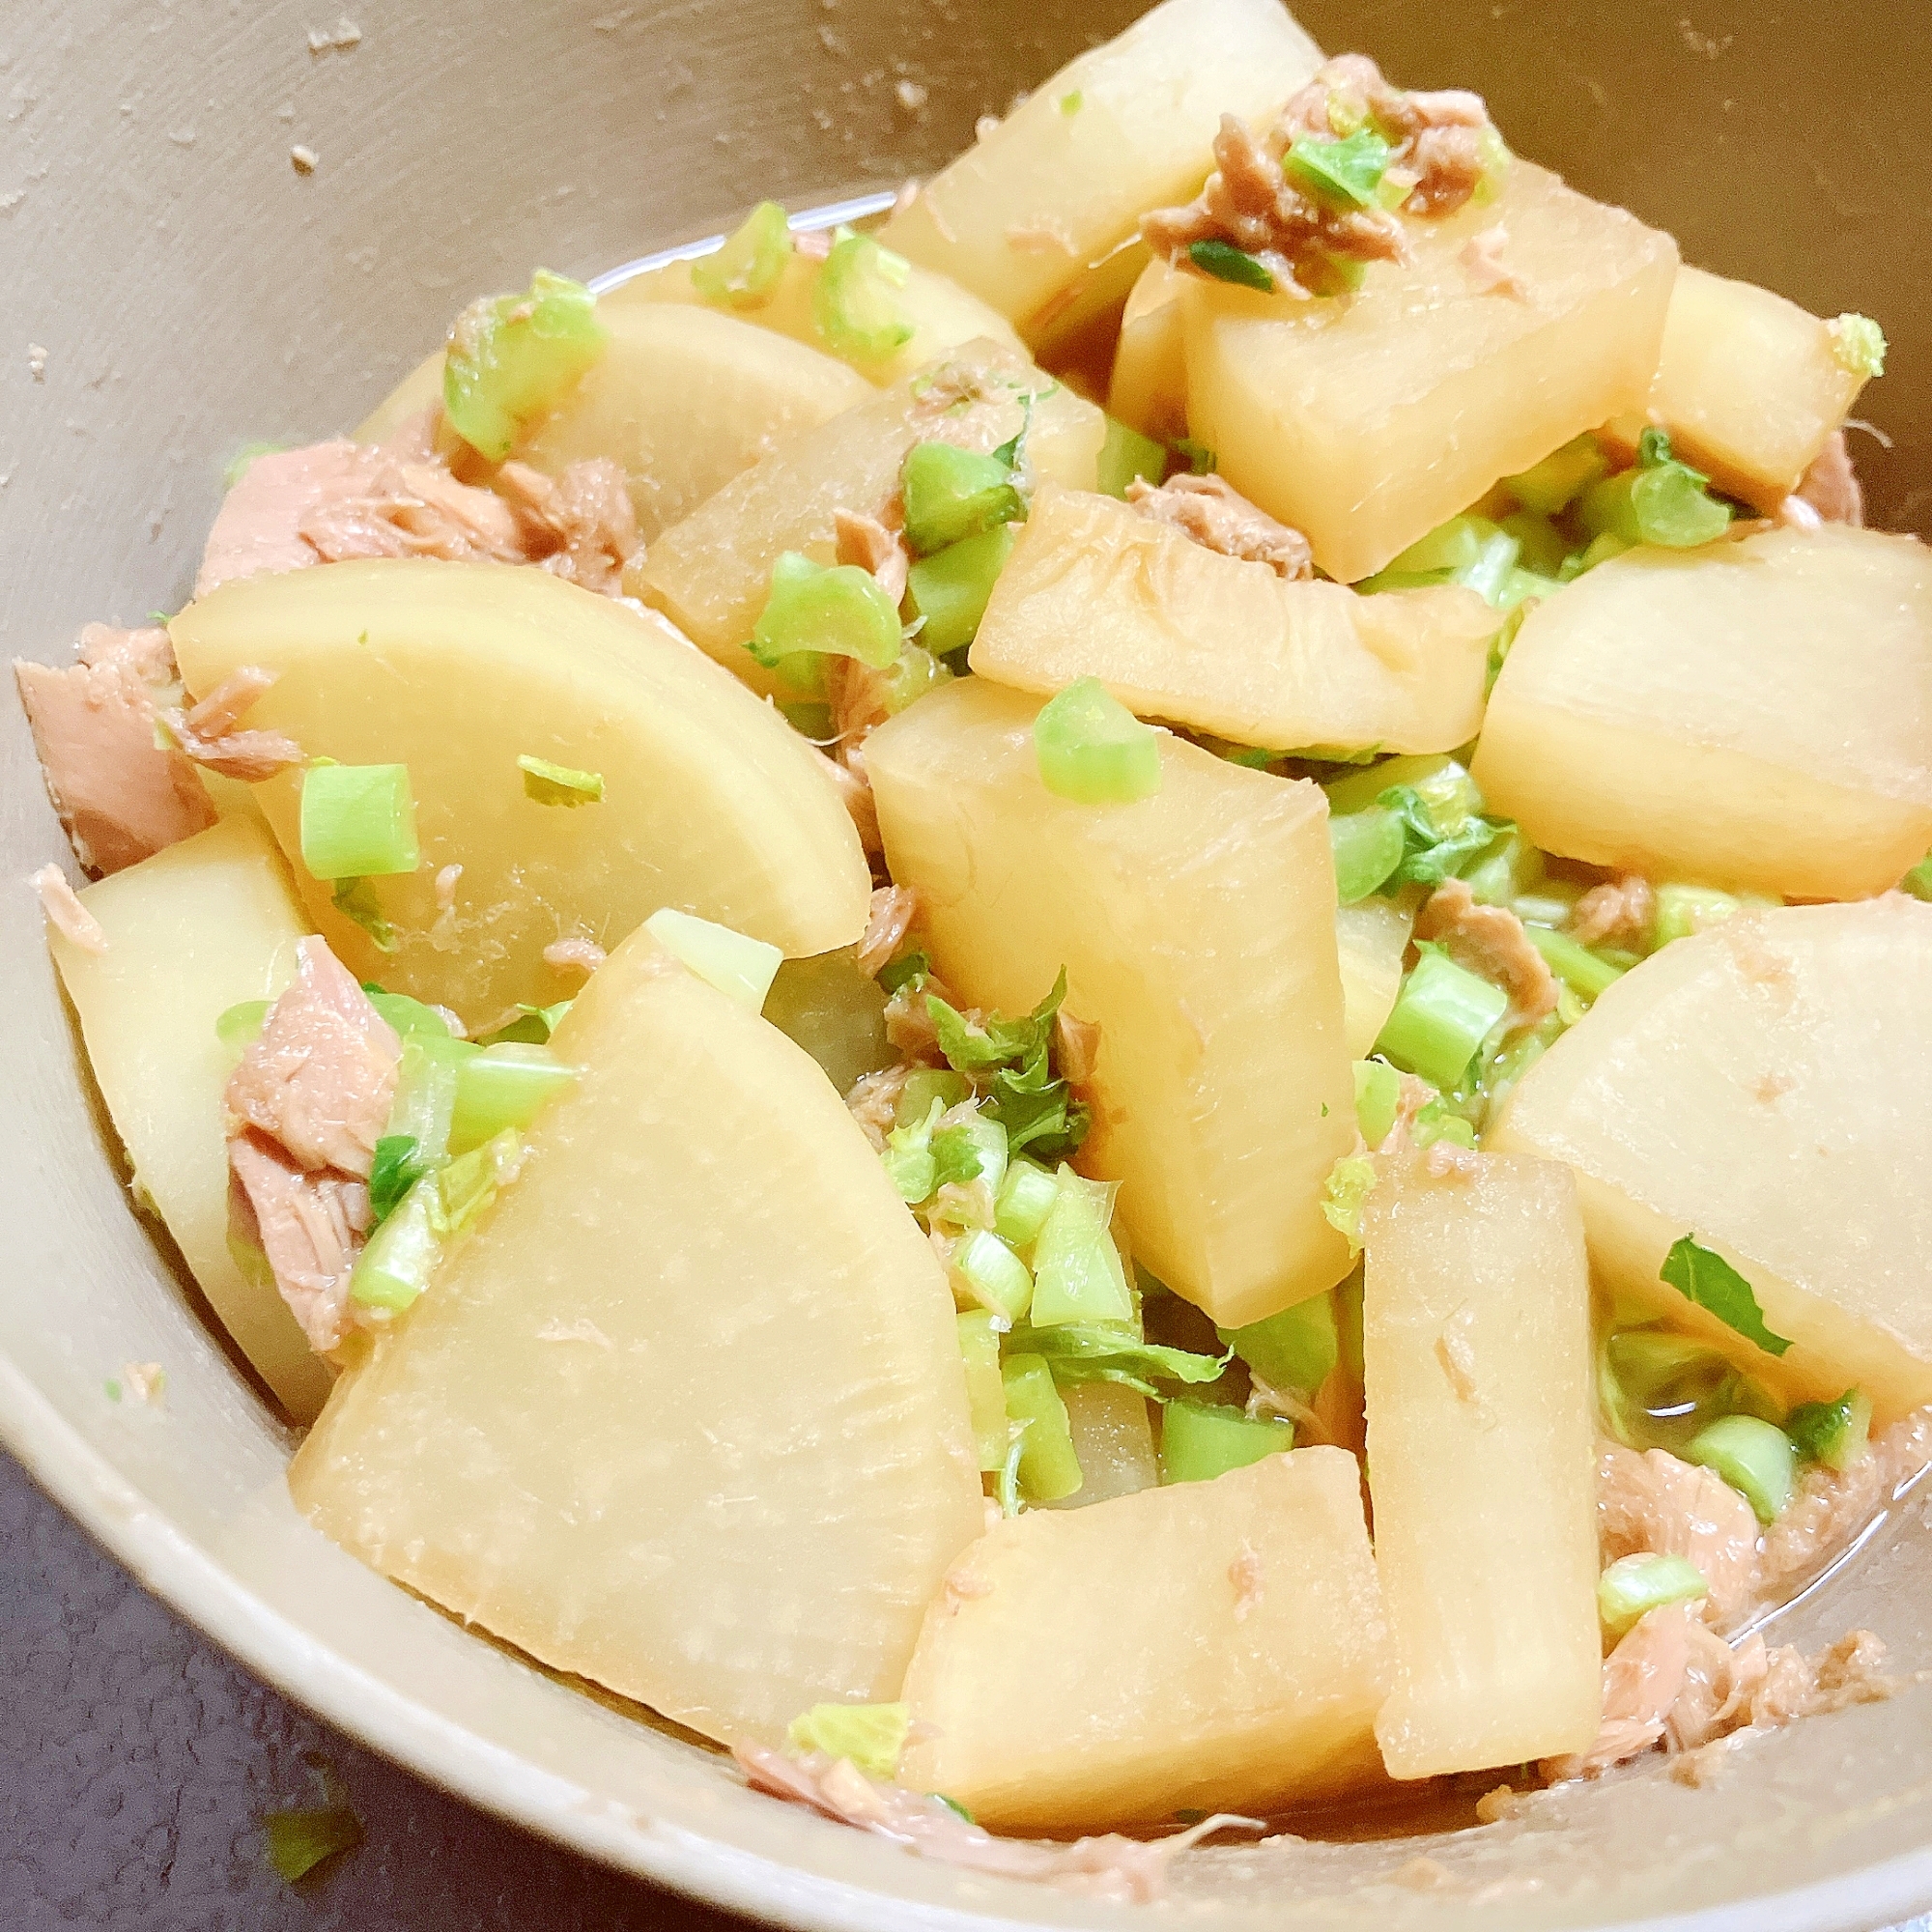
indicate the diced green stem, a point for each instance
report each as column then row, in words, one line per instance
column 1367, row 846
column 836, row 610
column 951, row 588
column 746, row 268
column 951, row 493
column 1048, row 1467
column 1378, row 1096
column 1200, row 1440
column 1127, row 455
column 985, row 1391
column 358, row 821
column 511, row 356
column 1076, row 1268
column 1574, row 963
column 1632, row 1586
column 992, row 1276
column 504, row 1087
column 1025, row 1200
column 1440, row 1019
column 1296, row 1349
column 856, row 305
column 740, row 967
column 1753, row 1456
column 1093, row 749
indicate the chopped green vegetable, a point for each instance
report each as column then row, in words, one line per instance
column 1025, row 1199
column 910, row 968
column 504, row 1087
column 400, row 1256
column 1441, row 783
column 1551, row 486
column 299, row 1841
column 830, row 611
column 1659, row 502
column 1296, row 1348
column 1200, row 1440
column 980, row 1331
column 1115, row 1351
column 1035, row 1107
column 1093, row 749
column 924, row 1086
column 1226, row 263
column 1048, row 1469
column 356, row 900
column 1378, row 1096
column 1540, row 547
column 953, row 494
column 908, row 1156
column 1858, row 344
column 532, row 1027
column 425, row 1097
column 911, row 675
column 1634, row 1586
column 1753, row 1456
column 1584, row 972
column 970, row 1150
column 1837, row 1433
column 740, row 967
column 393, row 1172
column 1440, row 1019
column 743, row 270
column 510, row 357
column 1710, row 1281
column 1127, row 455
column 1433, row 851
column 467, row 1184
column 992, row 1274
column 1367, row 847
column 1345, row 172
column 952, row 588
column 997, row 1042
column 1437, row 1121
column 1494, row 572
column 404, row 1015
column 1917, row 883
column 856, row 306
column 1344, row 1195
column 239, row 1027
column 1682, row 910
column 1658, row 1388
column 239, row 466
column 1071, row 104
column 871, row 1736
column 1200, row 460
column 1599, row 550
column 358, row 822
column 559, row 784
column 1076, row 1268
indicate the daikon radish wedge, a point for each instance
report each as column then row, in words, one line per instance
column 1366, row 421
column 1702, row 714
column 1215, row 1646
column 686, row 1414
column 1113, row 1440
column 1371, row 938
column 1148, row 391
column 1197, row 930
column 1067, row 175
column 1765, row 1088
column 1179, row 631
column 1481, row 1436
column 198, row 928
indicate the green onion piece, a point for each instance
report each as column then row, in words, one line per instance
column 1048, row 1468
column 1837, row 1433
column 547, row 783
column 1025, row 1200
column 1076, row 1268
column 1440, row 1018
column 923, row 1086
column 908, row 1156
column 870, row 1735
column 914, row 673
column 1226, row 263
column 1093, row 749
column 1634, row 1586
column 238, row 467
column 239, row 1027
column 504, row 1087
column 970, row 1150
column 952, row 588
column 467, row 1184
column 1706, row 1278
column 1489, row 573
column 951, row 493
column 1069, row 103
column 1200, row 1440
column 393, row 1172
column 1436, row 1121
column 1367, row 847
column 1551, row 486
column 740, row 967
column 1377, row 1096
column 746, row 268
column 910, row 968
column 425, row 1098
column 1345, row 174
column 1574, row 963
column 856, row 306
column 1540, row 547
column 1296, row 1348
column 1344, row 1194
column 1682, row 910
column 1858, row 344
column 1660, row 1388
column 1506, row 872
column 1452, row 545
column 1599, row 550
column 511, row 356
column 992, row 1276
column 356, row 900
column 1659, row 502
column 300, row 1839
column 985, row 1392
column 358, row 822
column 398, row 1258
column 532, row 1028
column 1115, row 1351
column 1519, row 587
column 810, row 718
column 1200, row 460
column 836, row 610
column 1441, row 783
column 1127, row 455
column 1917, row 883
column 1754, row 1457
column 404, row 1015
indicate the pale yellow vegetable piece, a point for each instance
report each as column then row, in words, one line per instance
column 1764, row 1087
column 941, row 314
column 1179, row 631
column 194, row 930
column 1128, row 126
column 1366, row 421
column 712, row 573
column 711, row 803
column 1754, row 714
column 1148, row 391
column 1481, row 1429
column 1081, row 326
column 1197, row 928
column 1214, row 1646
column 420, row 390
column 687, row 1415
column 1371, row 938
column 1748, row 385
column 1113, row 1439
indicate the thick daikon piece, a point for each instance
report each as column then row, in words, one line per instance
column 711, row 802
column 687, row 1415
column 199, row 927
column 1702, row 715
column 683, row 399
column 1748, row 385
column 1067, row 175
column 1481, row 1455
column 940, row 314
column 1764, row 1087
column 1215, row 1646
column 712, row 573
column 1366, row 421
column 1113, row 1440
column 420, row 390
column 1177, row 631
column 1197, row 930
column 1080, row 326
column 1148, row 390
column 1371, row 938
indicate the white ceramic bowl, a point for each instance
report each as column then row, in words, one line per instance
column 191, row 291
